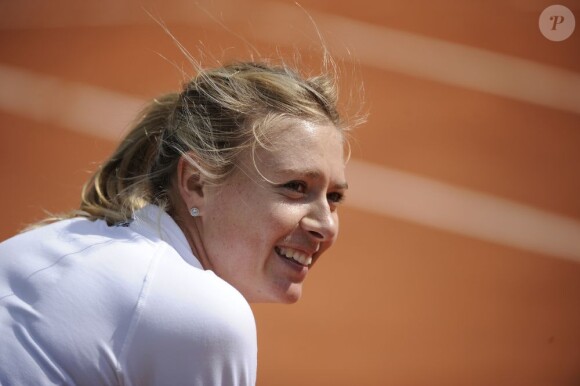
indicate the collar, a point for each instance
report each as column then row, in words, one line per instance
column 156, row 224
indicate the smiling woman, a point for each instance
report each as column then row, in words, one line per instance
column 223, row 194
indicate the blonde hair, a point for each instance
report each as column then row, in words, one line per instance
column 220, row 113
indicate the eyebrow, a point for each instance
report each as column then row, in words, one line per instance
column 314, row 174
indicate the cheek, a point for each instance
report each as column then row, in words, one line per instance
column 250, row 221
column 286, row 216
column 271, row 226
column 275, row 223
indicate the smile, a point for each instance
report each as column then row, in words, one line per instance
column 294, row 255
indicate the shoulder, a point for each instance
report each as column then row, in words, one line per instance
column 75, row 252
column 192, row 326
column 190, row 298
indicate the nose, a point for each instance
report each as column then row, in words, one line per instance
column 321, row 222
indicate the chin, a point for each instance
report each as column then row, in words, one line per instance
column 291, row 295
column 291, row 298
column 288, row 296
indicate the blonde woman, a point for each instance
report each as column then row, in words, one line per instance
column 223, row 194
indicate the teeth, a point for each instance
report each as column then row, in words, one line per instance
column 295, row 255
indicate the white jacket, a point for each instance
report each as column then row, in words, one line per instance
column 83, row 303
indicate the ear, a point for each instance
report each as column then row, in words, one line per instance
column 190, row 183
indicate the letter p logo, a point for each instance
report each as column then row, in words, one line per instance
column 557, row 23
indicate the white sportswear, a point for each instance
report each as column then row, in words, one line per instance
column 84, row 303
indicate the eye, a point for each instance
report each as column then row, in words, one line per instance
column 296, row 186
column 335, row 197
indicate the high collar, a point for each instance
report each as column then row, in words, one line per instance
column 155, row 223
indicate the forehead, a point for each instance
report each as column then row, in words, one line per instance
column 302, row 133
column 312, row 148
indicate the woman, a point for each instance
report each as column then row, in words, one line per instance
column 221, row 195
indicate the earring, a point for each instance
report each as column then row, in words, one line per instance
column 194, row 212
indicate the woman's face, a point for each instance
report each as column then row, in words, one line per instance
column 262, row 233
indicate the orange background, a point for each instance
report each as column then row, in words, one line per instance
column 401, row 299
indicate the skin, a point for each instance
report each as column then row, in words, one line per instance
column 244, row 222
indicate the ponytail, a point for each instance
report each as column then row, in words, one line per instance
column 133, row 176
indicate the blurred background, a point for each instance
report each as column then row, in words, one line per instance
column 459, row 256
